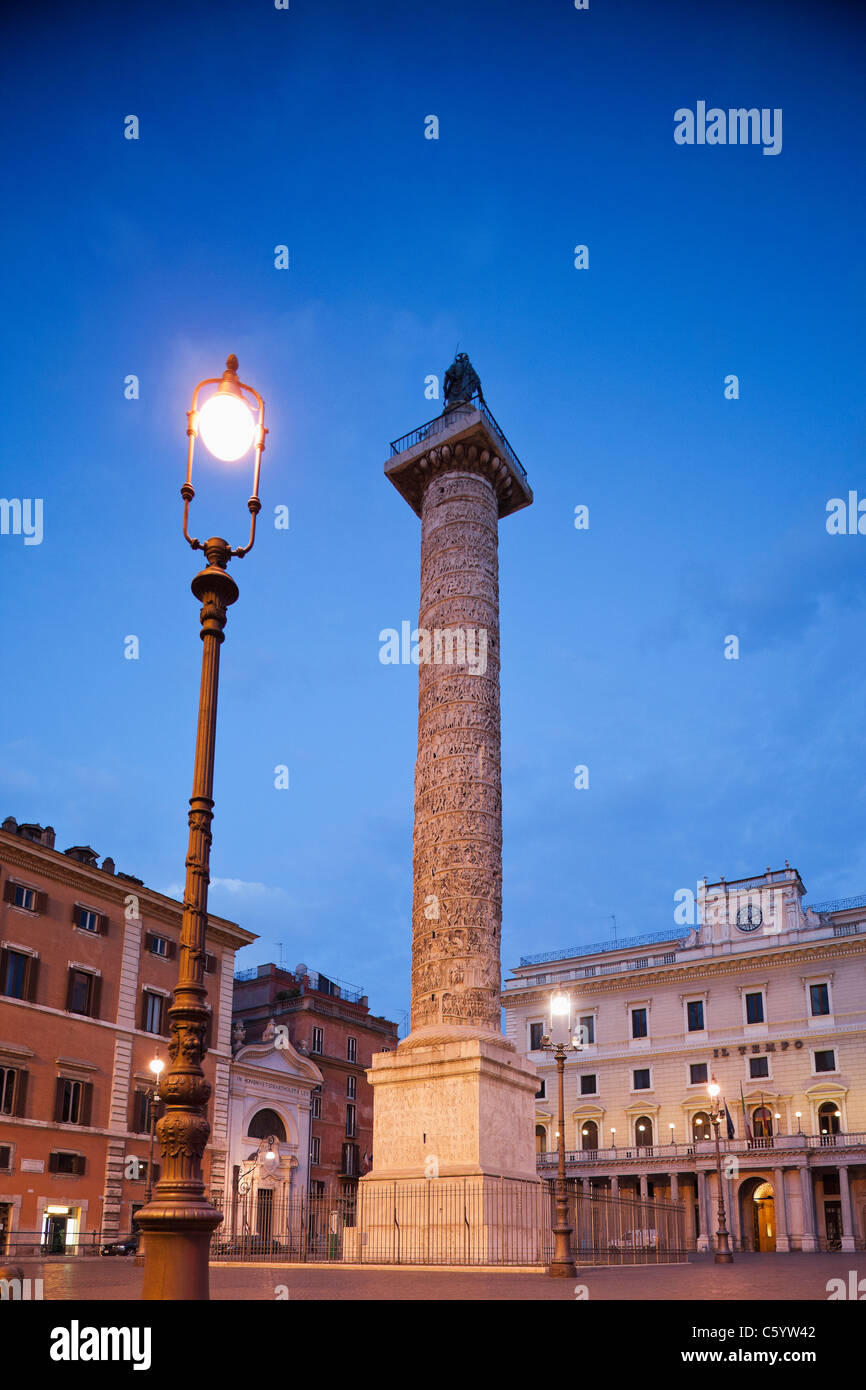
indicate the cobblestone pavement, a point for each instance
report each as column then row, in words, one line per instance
column 758, row 1277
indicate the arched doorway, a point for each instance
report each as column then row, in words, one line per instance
column 829, row 1118
column 758, row 1215
column 762, row 1122
column 643, row 1132
column 701, row 1127
column 540, row 1139
column 589, row 1135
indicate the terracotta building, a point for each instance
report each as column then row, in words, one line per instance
column 331, row 1023
column 87, row 966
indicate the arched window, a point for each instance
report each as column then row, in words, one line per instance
column 643, row 1131
column 589, row 1135
column 266, row 1123
column 701, row 1127
column 540, row 1139
column 829, row 1118
column 762, row 1122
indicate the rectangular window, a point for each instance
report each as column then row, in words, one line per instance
column 539, row 1094
column 641, row 1079
column 18, row 974
column 754, row 1008
column 819, row 999
column 317, row 1188
column 152, row 1012
column 695, row 1011
column 351, row 1087
column 536, row 1033
column 351, row 1049
column 70, row 1106
column 698, row 1074
column 159, row 946
column 588, row 1085
column 349, row 1165
column 140, row 1122
column 82, row 994
column 318, row 1039
column 316, row 1107
column 639, row 1023
column 5, row 1158
column 587, row 1029
column 825, row 1060
column 350, row 1121
column 62, row 1162
column 759, row 1066
column 87, row 919
column 315, row 1149
column 8, row 1090
column 24, row 897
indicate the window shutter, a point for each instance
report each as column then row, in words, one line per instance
column 86, row 1103
column 103, row 924
column 54, row 1162
column 41, row 902
column 31, row 979
column 21, row 1094
column 4, row 965
column 95, row 996
column 149, row 939
column 58, row 1102
column 142, row 1021
column 172, row 950
column 70, row 984
column 80, row 1163
column 210, row 963
column 76, row 914
column 9, row 891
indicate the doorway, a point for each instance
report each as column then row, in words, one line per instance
column 55, row 1235
column 833, row 1225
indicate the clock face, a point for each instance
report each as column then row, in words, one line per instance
column 749, row 918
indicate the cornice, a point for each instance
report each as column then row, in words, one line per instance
column 709, row 967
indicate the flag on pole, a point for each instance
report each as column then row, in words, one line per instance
column 746, row 1125
column 732, row 1133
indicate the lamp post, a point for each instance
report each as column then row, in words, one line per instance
column 153, row 1099
column 723, row 1254
column 558, row 1041
column 177, row 1224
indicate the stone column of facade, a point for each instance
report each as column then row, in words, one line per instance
column 808, row 1240
column 845, row 1202
column 454, row 1099
column 614, row 1186
column 675, row 1187
column 780, row 1209
column 644, row 1187
column 703, row 1241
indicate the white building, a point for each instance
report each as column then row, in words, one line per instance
column 765, row 995
column 270, row 1090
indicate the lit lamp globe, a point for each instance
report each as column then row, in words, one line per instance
column 226, row 425
column 156, row 1067
column 560, row 1018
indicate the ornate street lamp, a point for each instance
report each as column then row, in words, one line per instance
column 558, row 1041
column 723, row 1254
column 153, row 1100
column 177, row 1224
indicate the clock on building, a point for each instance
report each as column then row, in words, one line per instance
column 749, row 918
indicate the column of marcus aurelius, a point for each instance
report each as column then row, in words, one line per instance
column 455, row 1101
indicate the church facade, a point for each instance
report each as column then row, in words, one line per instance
column 767, row 997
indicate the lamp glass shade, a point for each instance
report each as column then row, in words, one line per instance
column 226, row 426
column 560, row 1017
column 157, row 1065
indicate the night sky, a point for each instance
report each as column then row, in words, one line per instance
column 155, row 257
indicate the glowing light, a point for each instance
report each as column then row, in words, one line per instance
column 560, row 1005
column 226, row 426
column 157, row 1066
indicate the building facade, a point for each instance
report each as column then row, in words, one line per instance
column 768, row 997
column 87, row 966
column 329, row 1023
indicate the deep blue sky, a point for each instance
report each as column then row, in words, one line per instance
column 155, row 257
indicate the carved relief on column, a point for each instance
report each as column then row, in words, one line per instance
column 457, row 903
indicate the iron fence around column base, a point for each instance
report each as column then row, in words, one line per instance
column 447, row 1221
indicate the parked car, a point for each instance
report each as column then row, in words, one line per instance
column 248, row 1245
column 122, row 1247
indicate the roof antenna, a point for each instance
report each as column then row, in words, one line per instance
column 613, row 919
